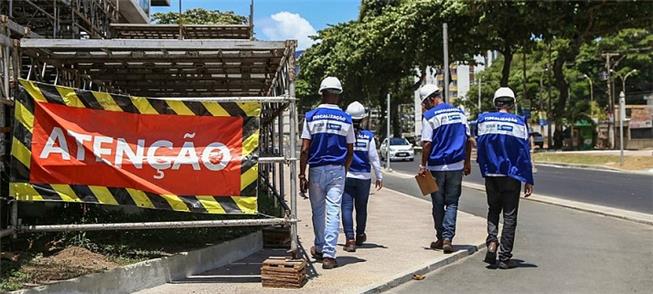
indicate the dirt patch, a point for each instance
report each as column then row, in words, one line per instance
column 68, row 263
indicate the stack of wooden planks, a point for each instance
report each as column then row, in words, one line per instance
column 283, row 272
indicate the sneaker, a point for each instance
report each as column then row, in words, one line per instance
column 350, row 246
column 329, row 263
column 360, row 239
column 506, row 264
column 447, row 247
column 491, row 255
column 437, row 245
column 317, row 255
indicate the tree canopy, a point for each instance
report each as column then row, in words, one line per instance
column 382, row 50
column 199, row 16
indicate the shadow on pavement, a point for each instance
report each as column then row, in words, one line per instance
column 371, row 246
column 518, row 264
column 248, row 270
column 345, row 260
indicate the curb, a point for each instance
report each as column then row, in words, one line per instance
column 407, row 276
column 156, row 272
column 637, row 217
column 592, row 167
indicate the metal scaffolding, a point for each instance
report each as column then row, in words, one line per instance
column 173, row 31
column 206, row 69
column 63, row 18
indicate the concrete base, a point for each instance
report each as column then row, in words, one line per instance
column 152, row 273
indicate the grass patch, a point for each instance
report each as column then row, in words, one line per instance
column 612, row 161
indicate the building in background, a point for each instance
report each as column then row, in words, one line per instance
column 137, row 11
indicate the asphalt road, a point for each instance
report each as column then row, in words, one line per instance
column 562, row 251
column 619, row 190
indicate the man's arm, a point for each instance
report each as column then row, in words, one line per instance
column 303, row 161
column 303, row 157
column 350, row 156
column 468, row 155
column 427, row 136
column 426, row 151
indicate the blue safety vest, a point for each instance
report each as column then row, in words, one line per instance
column 503, row 147
column 328, row 128
column 361, row 160
column 449, row 126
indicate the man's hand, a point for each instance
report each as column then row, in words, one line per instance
column 468, row 168
column 422, row 170
column 378, row 185
column 303, row 184
column 528, row 190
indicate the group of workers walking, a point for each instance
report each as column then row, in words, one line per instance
column 341, row 155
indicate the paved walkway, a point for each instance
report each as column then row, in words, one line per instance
column 400, row 229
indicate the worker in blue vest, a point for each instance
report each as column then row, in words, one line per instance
column 327, row 147
column 446, row 150
column 505, row 162
column 359, row 179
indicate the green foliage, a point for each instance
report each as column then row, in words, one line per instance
column 634, row 43
column 199, row 16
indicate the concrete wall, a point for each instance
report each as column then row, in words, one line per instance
column 155, row 272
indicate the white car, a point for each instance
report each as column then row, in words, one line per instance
column 400, row 149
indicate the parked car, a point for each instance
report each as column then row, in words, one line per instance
column 538, row 139
column 399, row 149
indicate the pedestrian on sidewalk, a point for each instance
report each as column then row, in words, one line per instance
column 327, row 147
column 505, row 162
column 359, row 179
column 446, row 149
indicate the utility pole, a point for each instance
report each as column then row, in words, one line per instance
column 608, row 70
column 387, row 146
column 548, row 110
column 445, row 49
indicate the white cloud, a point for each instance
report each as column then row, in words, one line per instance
column 288, row 26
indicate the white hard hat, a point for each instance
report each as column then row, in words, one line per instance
column 503, row 92
column 330, row 83
column 427, row 91
column 356, row 110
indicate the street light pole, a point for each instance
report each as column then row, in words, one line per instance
column 445, row 49
column 591, row 93
column 622, row 115
column 387, row 146
column 480, row 84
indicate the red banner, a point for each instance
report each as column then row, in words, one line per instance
column 163, row 154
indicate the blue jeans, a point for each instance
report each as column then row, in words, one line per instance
column 325, row 189
column 445, row 202
column 357, row 192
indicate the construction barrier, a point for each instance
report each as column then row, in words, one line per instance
column 75, row 145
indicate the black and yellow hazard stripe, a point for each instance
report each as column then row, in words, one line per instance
column 32, row 92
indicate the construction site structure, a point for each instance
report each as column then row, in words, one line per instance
column 82, row 44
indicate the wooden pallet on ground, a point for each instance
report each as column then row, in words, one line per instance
column 283, row 272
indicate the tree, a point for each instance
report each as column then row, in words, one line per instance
column 199, row 16
column 577, row 23
column 505, row 26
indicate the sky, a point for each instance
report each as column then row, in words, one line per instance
column 281, row 19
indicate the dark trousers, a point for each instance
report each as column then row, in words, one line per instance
column 445, row 202
column 357, row 192
column 502, row 196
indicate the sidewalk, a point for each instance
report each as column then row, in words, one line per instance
column 400, row 229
